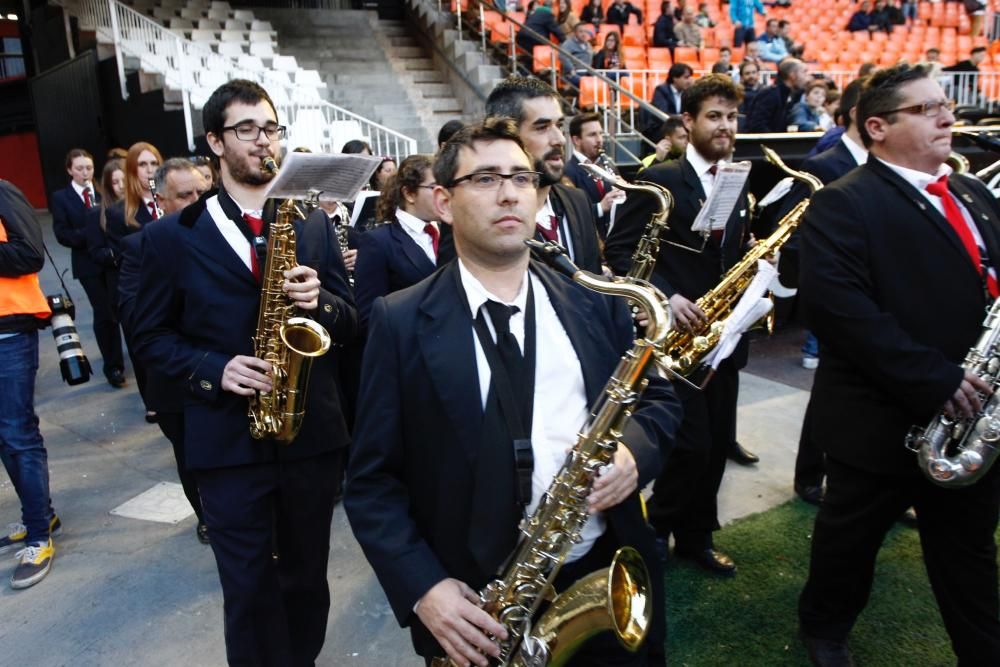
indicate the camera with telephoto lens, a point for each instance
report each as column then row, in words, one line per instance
column 73, row 362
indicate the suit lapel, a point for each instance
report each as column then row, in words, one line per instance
column 695, row 191
column 213, row 244
column 410, row 249
column 444, row 334
column 979, row 211
column 572, row 219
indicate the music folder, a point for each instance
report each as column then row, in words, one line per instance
column 336, row 176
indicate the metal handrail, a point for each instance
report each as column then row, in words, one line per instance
column 136, row 35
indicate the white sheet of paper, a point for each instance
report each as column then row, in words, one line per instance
column 359, row 204
column 780, row 189
column 729, row 182
column 750, row 309
column 338, row 176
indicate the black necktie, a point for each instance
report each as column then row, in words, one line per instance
column 510, row 351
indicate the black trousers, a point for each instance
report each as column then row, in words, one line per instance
column 172, row 426
column 106, row 330
column 957, row 529
column 270, row 531
column 809, row 466
column 684, row 500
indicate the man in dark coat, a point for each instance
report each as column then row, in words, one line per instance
column 896, row 274
column 769, row 112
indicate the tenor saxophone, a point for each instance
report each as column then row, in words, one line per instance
column 615, row 598
column 685, row 350
column 958, row 452
column 287, row 342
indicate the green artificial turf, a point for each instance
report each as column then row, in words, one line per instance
column 750, row 619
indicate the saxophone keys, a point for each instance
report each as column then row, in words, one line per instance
column 988, row 428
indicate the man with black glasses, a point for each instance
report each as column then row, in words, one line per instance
column 268, row 506
column 895, row 276
column 434, row 493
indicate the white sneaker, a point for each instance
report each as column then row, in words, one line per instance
column 810, row 363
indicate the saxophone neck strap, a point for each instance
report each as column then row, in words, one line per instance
column 233, row 211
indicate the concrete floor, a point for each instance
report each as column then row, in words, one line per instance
column 133, row 592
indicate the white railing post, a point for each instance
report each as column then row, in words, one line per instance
column 185, row 93
column 119, row 61
column 482, row 26
column 458, row 13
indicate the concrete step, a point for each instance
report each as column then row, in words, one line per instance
column 419, row 64
column 409, row 52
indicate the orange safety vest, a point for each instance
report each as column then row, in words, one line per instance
column 22, row 295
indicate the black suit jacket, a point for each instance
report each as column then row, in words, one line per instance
column 416, row 476
column 582, row 223
column 388, row 260
column 196, row 308
column 890, row 292
column 828, row 166
column 71, row 220
column 769, row 112
column 583, row 180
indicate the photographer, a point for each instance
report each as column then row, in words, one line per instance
column 23, row 311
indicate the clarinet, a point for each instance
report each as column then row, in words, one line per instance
column 156, row 203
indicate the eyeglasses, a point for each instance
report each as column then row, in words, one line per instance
column 429, row 186
column 928, row 109
column 251, row 132
column 488, row 180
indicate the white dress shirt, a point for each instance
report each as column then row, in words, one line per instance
column 79, row 191
column 414, row 228
column 857, row 151
column 544, row 219
column 583, row 159
column 560, row 407
column 701, row 168
column 234, row 237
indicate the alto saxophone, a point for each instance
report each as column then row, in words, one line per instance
column 615, row 598
column 685, row 350
column 287, row 342
column 958, row 452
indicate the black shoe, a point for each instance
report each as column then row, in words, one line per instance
column 741, row 455
column 202, row 531
column 151, row 417
column 909, row 518
column 810, row 494
column 116, row 378
column 709, row 559
column 828, row 652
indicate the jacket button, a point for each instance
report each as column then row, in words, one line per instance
column 206, row 385
column 328, row 307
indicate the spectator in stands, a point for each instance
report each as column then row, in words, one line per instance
column 593, row 13
column 769, row 112
column 785, row 32
column 895, row 13
column 726, row 60
column 909, row 11
column 578, row 46
column 663, row 29
column 702, row 18
column 448, row 130
column 976, row 9
column 741, row 14
column 206, row 169
column 881, row 18
column 356, row 146
column 618, row 14
column 610, row 55
column 752, row 54
column 568, row 19
column 542, row 22
column 977, row 56
column 672, row 144
column 861, row 19
column 687, row 31
column 667, row 96
column 805, row 115
column 932, row 55
column 772, row 46
column 750, row 80
column 963, row 79
column 828, row 119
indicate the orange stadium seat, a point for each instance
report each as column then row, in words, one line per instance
column 593, row 93
column 687, row 55
column 543, row 59
column 624, row 101
column 635, row 35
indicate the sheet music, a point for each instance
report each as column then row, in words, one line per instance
column 729, row 182
column 337, row 176
column 752, row 306
column 359, row 204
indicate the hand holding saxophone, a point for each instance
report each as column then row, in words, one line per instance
column 966, row 402
column 615, row 483
column 451, row 611
column 687, row 314
column 245, row 375
column 302, row 286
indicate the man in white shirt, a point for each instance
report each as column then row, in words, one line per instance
column 438, row 478
column 897, row 270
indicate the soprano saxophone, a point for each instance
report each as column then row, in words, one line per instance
column 958, row 452
column 287, row 342
column 615, row 598
column 685, row 350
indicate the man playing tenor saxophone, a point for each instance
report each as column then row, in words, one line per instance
column 268, row 506
column 895, row 277
column 475, row 383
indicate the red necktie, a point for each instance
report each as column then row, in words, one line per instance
column 256, row 227
column 435, row 235
column 599, row 182
column 152, row 209
column 86, row 198
column 552, row 233
column 716, row 233
column 953, row 214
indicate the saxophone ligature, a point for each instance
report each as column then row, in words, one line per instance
column 956, row 452
column 615, row 598
column 286, row 341
column 685, row 350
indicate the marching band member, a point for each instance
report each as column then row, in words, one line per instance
column 684, row 500
column 268, row 506
column 895, row 277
